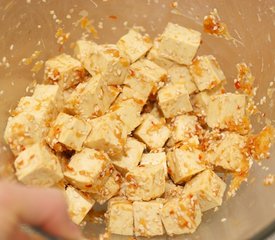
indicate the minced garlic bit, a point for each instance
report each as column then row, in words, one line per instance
column 245, row 79
column 29, row 60
column 61, row 36
column 87, row 24
column 269, row 179
column 37, row 66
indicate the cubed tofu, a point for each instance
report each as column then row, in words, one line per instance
column 179, row 74
column 134, row 45
column 64, row 70
column 110, row 188
column 108, row 134
column 89, row 170
column 208, row 187
column 120, row 217
column 155, row 56
column 137, row 89
column 181, row 215
column 172, row 190
column 145, row 183
column 89, row 99
column 225, row 110
column 155, row 159
column 149, row 71
column 206, row 72
column 227, row 152
column 173, row 100
column 38, row 166
column 79, row 204
column 109, row 63
column 128, row 111
column 83, row 50
column 67, row 133
column 201, row 100
column 184, row 129
column 183, row 164
column 179, row 43
column 111, row 95
column 153, row 132
column 147, row 219
column 130, row 159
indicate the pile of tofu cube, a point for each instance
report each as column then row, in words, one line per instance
column 142, row 125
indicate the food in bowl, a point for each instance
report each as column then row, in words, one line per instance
column 145, row 126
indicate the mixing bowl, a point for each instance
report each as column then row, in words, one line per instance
column 29, row 26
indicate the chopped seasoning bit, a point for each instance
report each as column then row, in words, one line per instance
column 269, row 180
column 86, row 24
column 61, row 36
column 37, row 66
column 174, row 4
column 113, row 17
column 28, row 1
column 245, row 79
column 223, row 219
column 11, row 47
column 38, row 26
column 68, row 16
column 29, row 60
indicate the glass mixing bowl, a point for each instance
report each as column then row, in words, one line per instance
column 31, row 25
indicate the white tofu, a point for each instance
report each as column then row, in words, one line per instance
column 83, row 50
column 79, row 204
column 155, row 159
column 184, row 129
column 132, row 153
column 225, row 110
column 89, row 99
column 172, row 190
column 67, row 133
column 208, row 187
column 206, row 72
column 110, row 188
column 153, row 132
column 183, row 164
column 173, row 100
column 109, row 63
column 134, row 45
column 120, row 217
column 145, row 183
column 38, row 166
column 111, row 95
column 128, row 112
column 148, row 71
column 64, row 70
column 147, row 219
column 180, row 74
column 181, row 215
column 179, row 43
column 89, row 170
column 227, row 152
column 155, row 56
column 108, row 134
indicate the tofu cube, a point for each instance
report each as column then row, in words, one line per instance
column 145, row 183
column 155, row 56
column 79, row 204
column 38, row 166
column 208, row 187
column 109, row 63
column 108, row 134
column 149, row 71
column 183, row 164
column 128, row 112
column 147, row 219
column 155, row 159
column 206, row 72
column 111, row 95
column 153, row 132
column 64, row 70
column 134, row 45
column 181, row 215
column 227, row 152
column 172, row 190
column 89, row 170
column 110, row 188
column 226, row 110
column 120, row 217
column 89, row 99
column 180, row 74
column 67, row 133
column 83, row 50
column 173, row 100
column 184, row 129
column 130, row 159
column 179, row 44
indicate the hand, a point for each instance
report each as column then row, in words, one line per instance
column 43, row 208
